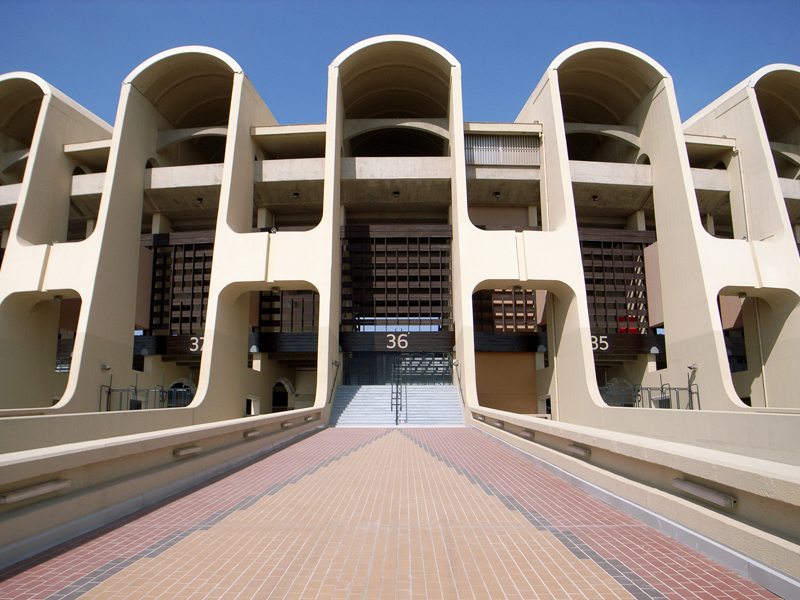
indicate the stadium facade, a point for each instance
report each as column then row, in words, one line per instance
column 611, row 290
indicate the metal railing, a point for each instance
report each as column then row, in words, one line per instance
column 501, row 149
column 426, row 368
column 665, row 396
column 399, row 390
column 133, row 398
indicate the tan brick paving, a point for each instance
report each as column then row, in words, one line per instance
column 405, row 514
column 387, row 521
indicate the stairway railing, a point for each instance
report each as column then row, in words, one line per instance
column 398, row 387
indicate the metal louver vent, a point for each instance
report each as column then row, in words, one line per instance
column 502, row 150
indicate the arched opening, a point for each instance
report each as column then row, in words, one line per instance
column 190, row 93
column 397, row 142
column 600, row 147
column 20, row 102
column 396, row 277
column 283, row 346
column 280, row 398
column 41, row 370
column 511, row 357
column 395, row 78
column 777, row 92
column 606, row 94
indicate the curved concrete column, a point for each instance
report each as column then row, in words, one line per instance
column 39, row 268
column 762, row 262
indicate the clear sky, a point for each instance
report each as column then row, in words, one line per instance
column 86, row 48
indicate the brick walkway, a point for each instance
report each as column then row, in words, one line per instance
column 374, row 513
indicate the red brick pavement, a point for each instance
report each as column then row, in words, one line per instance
column 401, row 513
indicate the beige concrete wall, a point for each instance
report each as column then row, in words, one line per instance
column 693, row 269
column 507, row 381
column 765, row 237
column 32, row 268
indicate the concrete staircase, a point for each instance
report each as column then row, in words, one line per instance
column 370, row 406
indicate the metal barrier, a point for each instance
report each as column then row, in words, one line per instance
column 399, row 390
column 133, row 398
column 666, row 396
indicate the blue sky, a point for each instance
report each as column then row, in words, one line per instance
column 86, row 48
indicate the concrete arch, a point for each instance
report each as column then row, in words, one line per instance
column 603, row 82
column 287, row 384
column 395, row 76
column 624, row 134
column 777, row 89
column 21, row 97
column 355, row 128
column 167, row 138
column 190, row 86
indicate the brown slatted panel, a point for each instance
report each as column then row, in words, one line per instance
column 181, row 278
column 613, row 266
column 396, row 276
column 289, row 312
column 504, row 311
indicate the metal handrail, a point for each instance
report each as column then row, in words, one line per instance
column 135, row 398
column 664, row 396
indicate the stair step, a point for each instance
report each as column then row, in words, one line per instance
column 371, row 406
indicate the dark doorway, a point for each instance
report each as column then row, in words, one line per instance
column 280, row 398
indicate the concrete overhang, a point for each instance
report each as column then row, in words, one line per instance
column 503, row 186
column 791, row 195
column 291, row 141
column 356, row 127
column 94, row 154
column 396, row 184
column 503, row 128
column 9, row 196
column 705, row 150
column 789, row 187
column 290, row 186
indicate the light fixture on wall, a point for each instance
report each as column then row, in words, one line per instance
column 579, row 451
column 496, row 194
column 595, row 198
column 337, row 364
column 178, row 452
column 295, row 195
column 105, row 367
column 396, row 194
column 199, row 201
column 34, row 491
column 718, row 498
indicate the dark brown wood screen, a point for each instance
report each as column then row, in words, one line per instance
column 613, row 268
column 396, row 276
column 288, row 311
column 181, row 277
column 504, row 311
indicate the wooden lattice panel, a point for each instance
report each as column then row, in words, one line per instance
column 613, row 267
column 181, row 278
column 396, row 276
column 288, row 311
column 504, row 311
